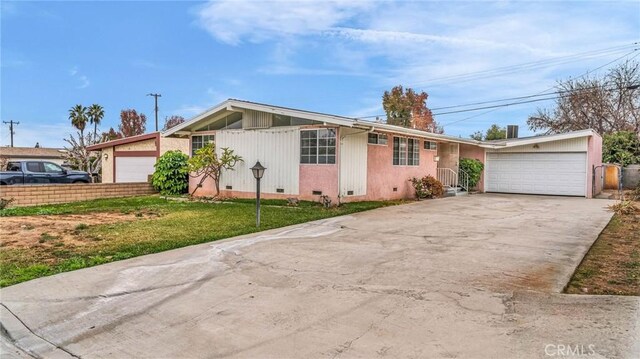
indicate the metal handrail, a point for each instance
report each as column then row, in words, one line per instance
column 447, row 177
column 464, row 182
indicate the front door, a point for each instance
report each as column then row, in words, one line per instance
column 449, row 154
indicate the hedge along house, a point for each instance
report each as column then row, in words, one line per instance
column 132, row 159
column 309, row 154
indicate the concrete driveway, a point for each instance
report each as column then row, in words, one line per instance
column 466, row 277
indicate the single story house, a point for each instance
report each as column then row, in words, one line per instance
column 132, row 159
column 309, row 154
column 55, row 155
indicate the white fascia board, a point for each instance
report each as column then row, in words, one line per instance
column 420, row 133
column 539, row 139
column 335, row 120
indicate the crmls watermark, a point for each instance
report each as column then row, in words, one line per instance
column 562, row 350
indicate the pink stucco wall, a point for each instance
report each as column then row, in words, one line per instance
column 594, row 159
column 312, row 178
column 383, row 176
column 475, row 152
column 208, row 188
column 322, row 178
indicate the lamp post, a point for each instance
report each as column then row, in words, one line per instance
column 258, row 172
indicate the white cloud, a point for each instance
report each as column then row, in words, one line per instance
column 83, row 80
column 212, row 98
column 417, row 44
column 234, row 21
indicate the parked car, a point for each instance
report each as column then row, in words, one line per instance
column 40, row 172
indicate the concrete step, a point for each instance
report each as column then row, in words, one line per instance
column 455, row 191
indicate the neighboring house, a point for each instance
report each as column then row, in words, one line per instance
column 132, row 159
column 309, row 154
column 55, row 155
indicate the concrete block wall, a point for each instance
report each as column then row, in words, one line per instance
column 631, row 176
column 47, row 194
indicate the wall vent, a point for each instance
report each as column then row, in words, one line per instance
column 395, row 189
column 228, row 187
column 317, row 193
column 349, row 193
column 280, row 190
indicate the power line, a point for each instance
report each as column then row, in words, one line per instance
column 11, row 131
column 550, row 88
column 539, row 94
column 505, row 70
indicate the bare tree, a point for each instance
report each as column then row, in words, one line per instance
column 606, row 104
column 77, row 155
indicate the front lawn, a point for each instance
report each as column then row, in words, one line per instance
column 44, row 240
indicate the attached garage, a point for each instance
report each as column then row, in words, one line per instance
column 134, row 169
column 545, row 165
column 132, row 159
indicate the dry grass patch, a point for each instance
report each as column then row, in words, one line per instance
column 612, row 265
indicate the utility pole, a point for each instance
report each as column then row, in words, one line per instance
column 11, row 131
column 156, row 95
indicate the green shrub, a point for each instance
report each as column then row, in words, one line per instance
column 171, row 176
column 427, row 187
column 621, row 147
column 473, row 168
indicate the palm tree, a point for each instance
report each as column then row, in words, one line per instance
column 78, row 117
column 96, row 113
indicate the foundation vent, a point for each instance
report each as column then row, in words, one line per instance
column 317, row 193
column 280, row 190
column 228, row 187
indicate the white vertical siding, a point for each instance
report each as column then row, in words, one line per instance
column 256, row 119
column 571, row 145
column 353, row 162
column 276, row 149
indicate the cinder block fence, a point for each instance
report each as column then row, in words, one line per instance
column 62, row 193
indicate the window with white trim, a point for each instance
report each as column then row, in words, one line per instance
column 430, row 145
column 406, row 151
column 199, row 141
column 377, row 139
column 400, row 151
column 413, row 151
column 318, row 146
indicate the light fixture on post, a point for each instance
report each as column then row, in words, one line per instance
column 258, row 172
column 106, row 156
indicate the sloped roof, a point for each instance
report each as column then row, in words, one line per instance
column 235, row 104
column 32, row 152
column 123, row 141
column 521, row 141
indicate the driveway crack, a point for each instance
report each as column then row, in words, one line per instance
column 8, row 335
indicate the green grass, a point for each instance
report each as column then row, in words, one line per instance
column 179, row 224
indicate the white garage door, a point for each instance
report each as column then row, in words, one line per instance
column 134, row 169
column 537, row 173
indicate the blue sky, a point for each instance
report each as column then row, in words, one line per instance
column 335, row 57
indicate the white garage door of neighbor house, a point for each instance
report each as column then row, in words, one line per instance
column 134, row 169
column 537, row 173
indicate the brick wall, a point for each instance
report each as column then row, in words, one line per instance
column 62, row 193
